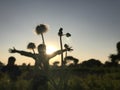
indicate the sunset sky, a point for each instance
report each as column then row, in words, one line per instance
column 93, row 24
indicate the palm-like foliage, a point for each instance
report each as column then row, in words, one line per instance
column 40, row 29
column 31, row 46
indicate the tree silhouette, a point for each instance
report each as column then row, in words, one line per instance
column 115, row 58
column 71, row 58
column 91, row 63
column 118, row 47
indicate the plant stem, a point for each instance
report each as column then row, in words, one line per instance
column 33, row 51
column 61, row 50
column 42, row 38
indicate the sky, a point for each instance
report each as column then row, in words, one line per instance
column 93, row 24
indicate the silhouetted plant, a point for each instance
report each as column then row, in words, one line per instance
column 68, row 48
column 60, row 34
column 59, row 79
column 68, row 34
column 40, row 29
column 31, row 46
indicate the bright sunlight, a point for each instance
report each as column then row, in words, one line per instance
column 50, row 49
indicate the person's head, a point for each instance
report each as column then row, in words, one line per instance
column 42, row 48
column 118, row 47
column 11, row 60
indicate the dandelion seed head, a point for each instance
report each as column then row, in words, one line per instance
column 31, row 46
column 42, row 28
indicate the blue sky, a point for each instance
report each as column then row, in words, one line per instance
column 94, row 25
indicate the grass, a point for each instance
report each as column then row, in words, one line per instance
column 69, row 79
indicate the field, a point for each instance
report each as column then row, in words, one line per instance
column 67, row 78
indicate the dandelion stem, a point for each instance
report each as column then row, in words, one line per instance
column 42, row 38
column 33, row 51
column 61, row 49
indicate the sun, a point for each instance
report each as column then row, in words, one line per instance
column 50, row 49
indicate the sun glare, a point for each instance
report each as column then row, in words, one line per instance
column 50, row 49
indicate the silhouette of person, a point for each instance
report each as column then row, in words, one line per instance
column 41, row 58
column 41, row 62
column 11, row 69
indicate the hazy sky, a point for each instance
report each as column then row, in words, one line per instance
column 94, row 25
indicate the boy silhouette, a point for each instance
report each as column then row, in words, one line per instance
column 41, row 58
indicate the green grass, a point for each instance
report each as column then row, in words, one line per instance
column 74, row 79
